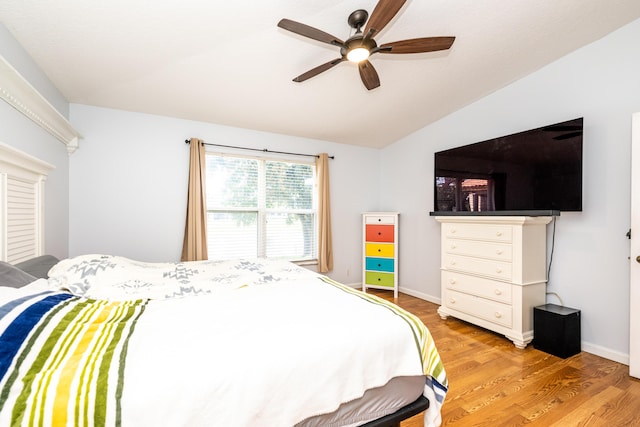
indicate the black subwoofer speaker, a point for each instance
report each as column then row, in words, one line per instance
column 556, row 330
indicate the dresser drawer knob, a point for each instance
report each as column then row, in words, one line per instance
column 499, row 252
column 498, row 233
column 452, row 300
column 498, row 315
column 498, row 292
column 453, row 231
column 453, row 246
column 498, row 270
column 452, row 263
column 452, row 281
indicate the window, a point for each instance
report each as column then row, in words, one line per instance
column 260, row 208
column 458, row 193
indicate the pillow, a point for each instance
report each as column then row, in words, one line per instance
column 39, row 266
column 13, row 277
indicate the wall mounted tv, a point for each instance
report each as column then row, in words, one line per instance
column 536, row 170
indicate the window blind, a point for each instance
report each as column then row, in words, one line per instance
column 260, row 208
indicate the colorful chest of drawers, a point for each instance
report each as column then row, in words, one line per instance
column 380, row 251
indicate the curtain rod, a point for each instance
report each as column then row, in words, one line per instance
column 264, row 150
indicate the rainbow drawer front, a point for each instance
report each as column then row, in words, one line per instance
column 380, row 250
column 379, row 279
column 380, row 264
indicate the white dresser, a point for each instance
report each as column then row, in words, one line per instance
column 493, row 272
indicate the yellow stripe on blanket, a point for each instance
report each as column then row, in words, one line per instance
column 74, row 365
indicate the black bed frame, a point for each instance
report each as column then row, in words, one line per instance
column 393, row 420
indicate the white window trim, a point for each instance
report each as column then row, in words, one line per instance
column 209, row 150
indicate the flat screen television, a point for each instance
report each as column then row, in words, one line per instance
column 536, row 170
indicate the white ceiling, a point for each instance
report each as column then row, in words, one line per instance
column 228, row 63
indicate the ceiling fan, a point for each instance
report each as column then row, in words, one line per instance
column 359, row 47
column 566, row 131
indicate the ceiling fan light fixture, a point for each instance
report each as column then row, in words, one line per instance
column 358, row 54
column 361, row 45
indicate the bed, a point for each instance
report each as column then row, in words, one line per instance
column 108, row 341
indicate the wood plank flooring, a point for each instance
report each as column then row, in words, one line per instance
column 492, row 383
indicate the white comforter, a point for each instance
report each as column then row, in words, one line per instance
column 247, row 354
column 321, row 355
column 119, row 278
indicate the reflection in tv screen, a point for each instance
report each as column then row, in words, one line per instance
column 539, row 169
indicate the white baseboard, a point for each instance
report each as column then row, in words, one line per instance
column 605, row 352
column 420, row 295
column 410, row 292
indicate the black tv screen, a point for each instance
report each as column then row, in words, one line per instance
column 536, row 170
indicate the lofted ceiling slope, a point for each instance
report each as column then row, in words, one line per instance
column 227, row 62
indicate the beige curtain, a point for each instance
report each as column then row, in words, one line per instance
column 194, row 247
column 325, row 250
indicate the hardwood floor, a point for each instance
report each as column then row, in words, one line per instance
column 492, row 383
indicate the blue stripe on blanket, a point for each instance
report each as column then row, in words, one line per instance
column 18, row 331
column 439, row 390
column 6, row 309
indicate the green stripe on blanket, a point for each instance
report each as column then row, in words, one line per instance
column 73, row 365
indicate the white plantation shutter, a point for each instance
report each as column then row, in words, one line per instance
column 260, row 208
column 22, row 180
column 22, row 228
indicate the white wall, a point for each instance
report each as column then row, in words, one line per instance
column 128, row 184
column 124, row 190
column 19, row 132
column 590, row 270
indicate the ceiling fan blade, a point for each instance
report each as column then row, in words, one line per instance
column 384, row 12
column 561, row 128
column 425, row 44
column 317, row 70
column 369, row 75
column 310, row 32
column 567, row 136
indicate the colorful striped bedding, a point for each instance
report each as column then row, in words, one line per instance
column 253, row 356
column 62, row 359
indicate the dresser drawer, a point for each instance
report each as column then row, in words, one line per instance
column 494, row 233
column 379, row 279
column 380, row 250
column 380, row 264
column 382, row 219
column 485, row 288
column 488, row 310
column 488, row 250
column 489, row 268
column 379, row 233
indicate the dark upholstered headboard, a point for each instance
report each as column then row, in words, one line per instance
column 38, row 266
column 23, row 273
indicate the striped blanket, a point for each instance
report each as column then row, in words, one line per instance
column 255, row 356
column 62, row 359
